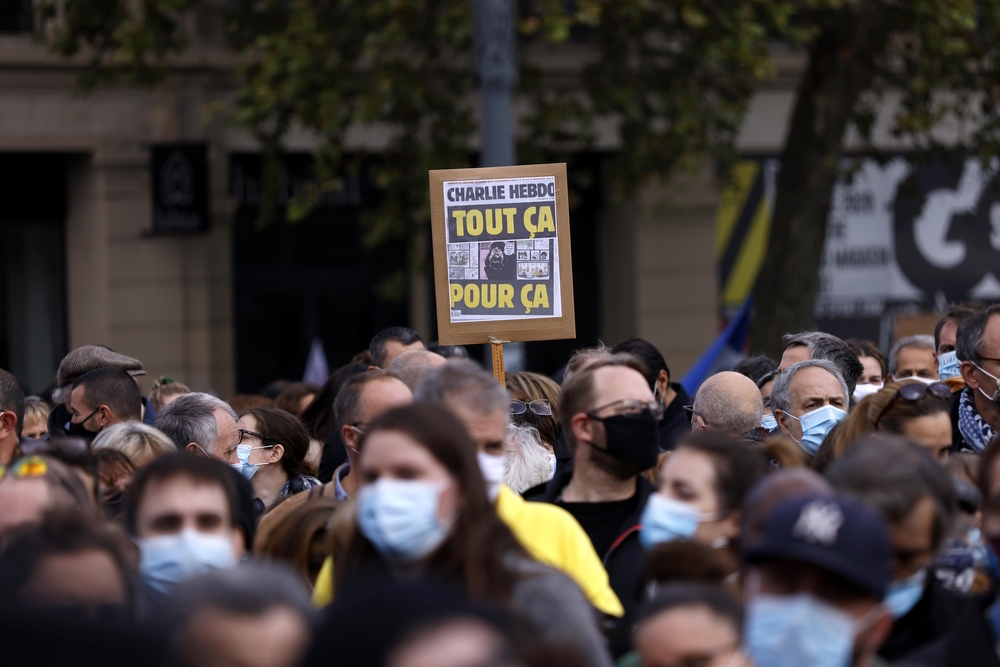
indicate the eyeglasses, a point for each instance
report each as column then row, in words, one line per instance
column 914, row 391
column 690, row 412
column 260, row 436
column 630, row 407
column 540, row 407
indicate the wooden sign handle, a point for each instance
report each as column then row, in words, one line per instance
column 498, row 369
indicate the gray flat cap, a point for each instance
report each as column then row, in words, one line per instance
column 91, row 357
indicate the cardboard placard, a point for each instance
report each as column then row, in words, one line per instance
column 502, row 258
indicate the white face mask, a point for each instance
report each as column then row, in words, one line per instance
column 863, row 390
column 492, row 468
column 927, row 381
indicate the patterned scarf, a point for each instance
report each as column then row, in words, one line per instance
column 977, row 433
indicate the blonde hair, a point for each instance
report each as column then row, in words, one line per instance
column 139, row 442
column 35, row 409
column 163, row 389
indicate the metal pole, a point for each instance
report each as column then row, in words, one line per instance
column 496, row 61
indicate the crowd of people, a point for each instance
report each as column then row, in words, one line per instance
column 836, row 507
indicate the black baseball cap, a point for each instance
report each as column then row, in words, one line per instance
column 834, row 533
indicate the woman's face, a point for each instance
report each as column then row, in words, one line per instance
column 258, row 454
column 396, row 455
column 872, row 373
column 689, row 476
column 932, row 432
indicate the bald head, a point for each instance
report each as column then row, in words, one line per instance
column 411, row 365
column 772, row 491
column 729, row 402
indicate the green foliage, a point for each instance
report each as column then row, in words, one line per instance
column 674, row 76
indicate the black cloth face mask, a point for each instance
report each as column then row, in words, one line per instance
column 633, row 438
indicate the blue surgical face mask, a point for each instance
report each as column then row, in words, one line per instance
column 948, row 365
column 667, row 520
column 246, row 468
column 166, row 560
column 769, row 422
column 903, row 594
column 815, row 425
column 400, row 518
column 799, row 630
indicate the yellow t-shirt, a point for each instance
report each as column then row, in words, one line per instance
column 550, row 535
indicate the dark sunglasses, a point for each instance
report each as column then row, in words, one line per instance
column 914, row 391
column 540, row 407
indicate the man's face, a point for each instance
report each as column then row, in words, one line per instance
column 393, row 348
column 488, row 431
column 82, row 412
column 912, row 539
column 612, row 385
column 276, row 638
column 179, row 503
column 780, row 577
column 916, row 362
column 495, row 257
column 377, row 397
column 228, row 435
column 947, row 337
column 810, row 389
column 976, row 379
column 793, row 354
column 686, row 635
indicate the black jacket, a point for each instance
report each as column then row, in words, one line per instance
column 674, row 424
column 968, row 644
column 931, row 618
column 623, row 561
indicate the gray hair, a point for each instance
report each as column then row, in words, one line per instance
column 411, row 365
column 892, row 475
column 969, row 339
column 827, row 346
column 135, row 440
column 465, row 382
column 250, row 589
column 526, row 462
column 190, row 418
column 921, row 342
column 780, row 393
column 731, row 403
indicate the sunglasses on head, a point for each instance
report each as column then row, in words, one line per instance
column 540, row 407
column 914, row 391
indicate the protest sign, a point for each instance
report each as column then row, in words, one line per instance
column 502, row 261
